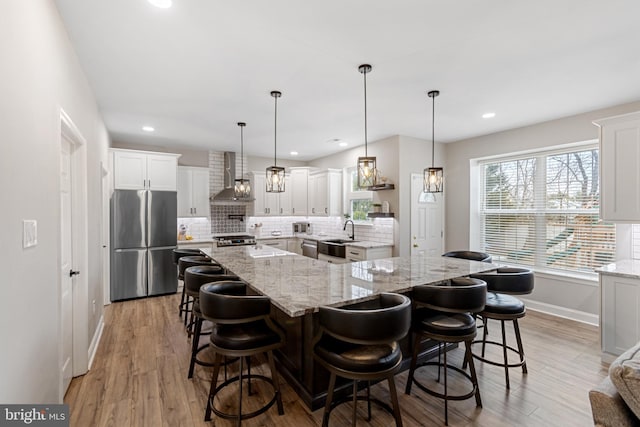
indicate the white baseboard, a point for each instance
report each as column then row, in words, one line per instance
column 567, row 313
column 93, row 347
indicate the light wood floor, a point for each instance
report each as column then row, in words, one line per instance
column 139, row 378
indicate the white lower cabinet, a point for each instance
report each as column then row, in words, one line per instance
column 619, row 313
column 332, row 259
column 355, row 254
column 294, row 245
column 275, row 243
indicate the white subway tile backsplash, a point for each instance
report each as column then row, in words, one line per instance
column 199, row 228
column 379, row 230
column 636, row 241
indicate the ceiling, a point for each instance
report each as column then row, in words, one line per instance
column 192, row 71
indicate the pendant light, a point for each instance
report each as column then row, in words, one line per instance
column 433, row 176
column 367, row 172
column 242, row 189
column 275, row 174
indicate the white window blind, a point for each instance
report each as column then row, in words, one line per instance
column 543, row 210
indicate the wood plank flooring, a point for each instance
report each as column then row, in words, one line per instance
column 139, row 378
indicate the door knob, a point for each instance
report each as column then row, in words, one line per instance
column 73, row 273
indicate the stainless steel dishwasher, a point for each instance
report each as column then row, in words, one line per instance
column 310, row 248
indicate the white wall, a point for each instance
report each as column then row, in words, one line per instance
column 585, row 298
column 40, row 74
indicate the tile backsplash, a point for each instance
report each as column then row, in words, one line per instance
column 221, row 223
column 199, row 228
column 379, row 230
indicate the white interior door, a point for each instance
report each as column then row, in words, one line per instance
column 66, row 261
column 427, row 221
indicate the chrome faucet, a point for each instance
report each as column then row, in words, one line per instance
column 353, row 229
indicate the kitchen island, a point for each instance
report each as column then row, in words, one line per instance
column 298, row 285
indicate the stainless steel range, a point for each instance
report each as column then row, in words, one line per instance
column 234, row 240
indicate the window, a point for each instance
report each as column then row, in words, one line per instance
column 543, row 210
column 358, row 201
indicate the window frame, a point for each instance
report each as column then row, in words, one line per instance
column 540, row 210
column 350, row 194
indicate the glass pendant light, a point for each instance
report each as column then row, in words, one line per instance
column 242, row 189
column 275, row 174
column 367, row 171
column 433, row 176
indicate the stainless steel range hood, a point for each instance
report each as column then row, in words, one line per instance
column 227, row 195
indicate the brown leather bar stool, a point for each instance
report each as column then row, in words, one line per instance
column 194, row 278
column 242, row 328
column 177, row 254
column 184, row 263
column 362, row 344
column 501, row 305
column 444, row 313
column 470, row 255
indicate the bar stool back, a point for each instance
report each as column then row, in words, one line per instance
column 362, row 344
column 444, row 313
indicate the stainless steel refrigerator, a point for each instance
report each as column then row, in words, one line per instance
column 143, row 237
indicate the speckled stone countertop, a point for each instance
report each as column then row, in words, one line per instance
column 299, row 285
column 624, row 267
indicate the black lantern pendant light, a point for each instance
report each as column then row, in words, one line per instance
column 367, row 172
column 275, row 174
column 433, row 176
column 242, row 189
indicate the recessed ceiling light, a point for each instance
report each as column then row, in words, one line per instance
column 163, row 4
column 488, row 115
column 343, row 144
column 294, row 153
column 148, row 128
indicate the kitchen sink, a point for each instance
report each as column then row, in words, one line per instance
column 339, row 241
column 333, row 247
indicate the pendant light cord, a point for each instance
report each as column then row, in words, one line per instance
column 433, row 126
column 275, row 133
column 365, row 114
column 241, row 152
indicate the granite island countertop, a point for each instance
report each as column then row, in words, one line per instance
column 299, row 285
column 625, row 268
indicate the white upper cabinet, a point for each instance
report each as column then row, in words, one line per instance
column 141, row 170
column 619, row 168
column 299, row 191
column 317, row 193
column 325, row 193
column 270, row 204
column 193, row 192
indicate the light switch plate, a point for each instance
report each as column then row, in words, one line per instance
column 29, row 233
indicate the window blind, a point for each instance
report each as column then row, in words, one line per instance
column 543, row 210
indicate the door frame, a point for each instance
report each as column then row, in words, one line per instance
column 80, row 303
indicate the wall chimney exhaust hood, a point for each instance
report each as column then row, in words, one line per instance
column 227, row 196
